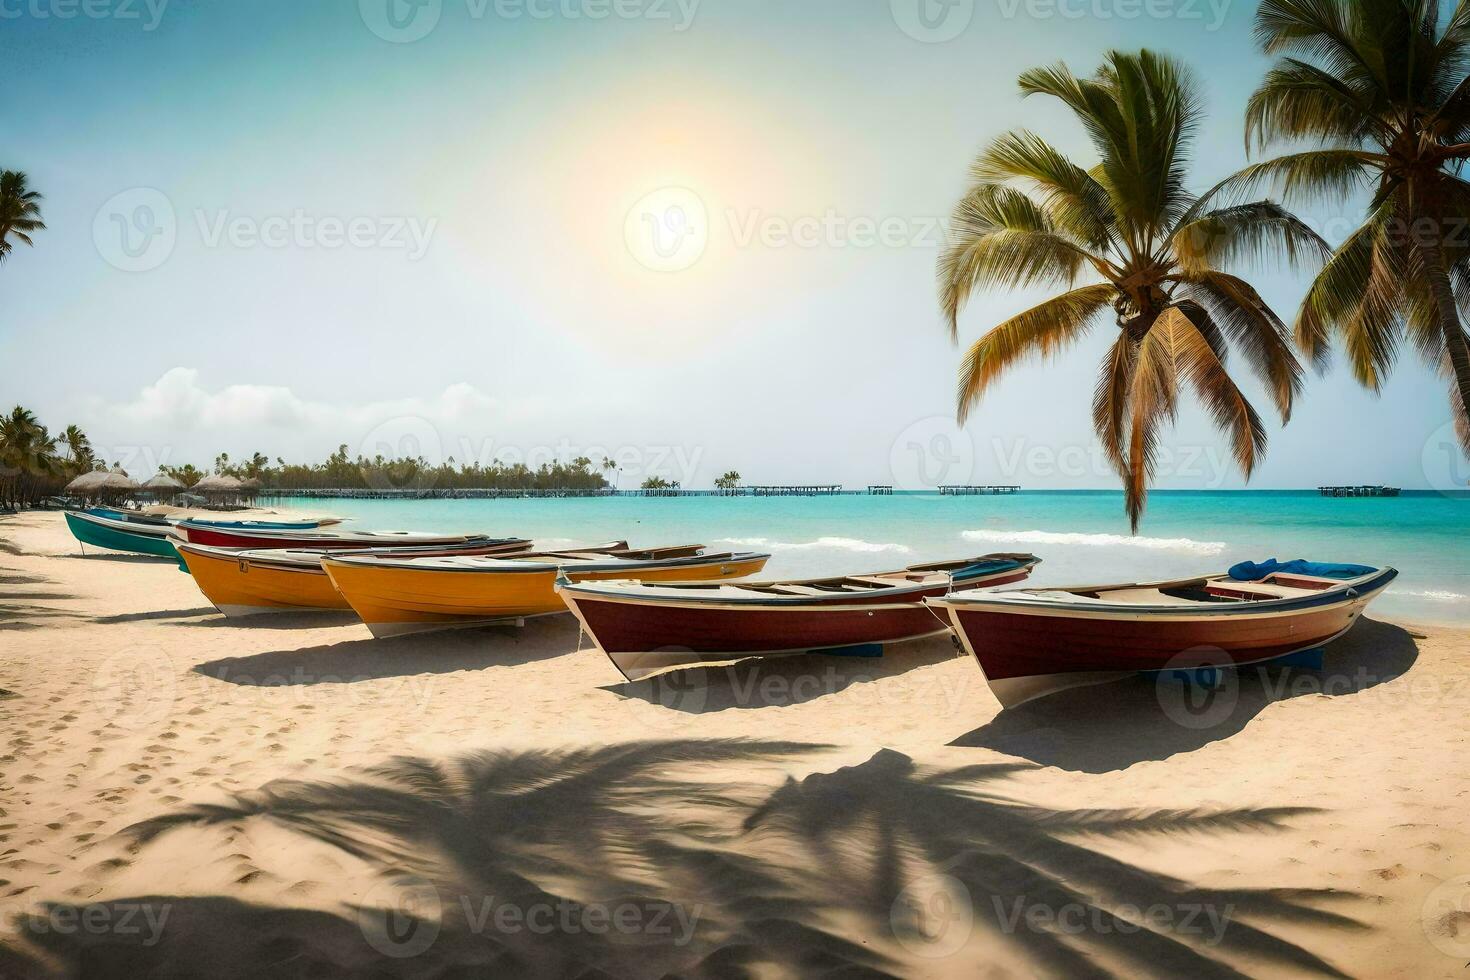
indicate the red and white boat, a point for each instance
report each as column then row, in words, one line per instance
column 646, row 627
column 234, row 536
column 1033, row 642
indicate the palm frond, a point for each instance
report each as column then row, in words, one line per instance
column 1044, row 329
column 1301, row 101
column 1071, row 198
column 1200, row 363
column 1246, row 232
column 1312, row 175
column 1000, row 238
column 1321, row 29
column 1153, row 400
column 1110, row 400
column 1254, row 329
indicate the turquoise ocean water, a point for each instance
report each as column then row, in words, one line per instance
column 1082, row 536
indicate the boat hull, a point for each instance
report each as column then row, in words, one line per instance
column 216, row 536
column 241, row 586
column 396, row 600
column 1029, row 653
column 642, row 639
column 642, row 636
column 101, row 533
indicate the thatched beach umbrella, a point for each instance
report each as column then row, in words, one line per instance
column 88, row 482
column 163, row 484
column 103, row 483
column 218, row 486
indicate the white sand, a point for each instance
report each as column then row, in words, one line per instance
column 181, row 794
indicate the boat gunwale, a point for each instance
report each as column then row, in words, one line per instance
column 274, row 558
column 1007, row 602
column 512, row 565
column 141, row 529
column 621, row 590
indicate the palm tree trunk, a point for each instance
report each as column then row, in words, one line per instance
column 1449, row 324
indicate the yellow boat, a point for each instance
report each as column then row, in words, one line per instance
column 276, row 580
column 396, row 595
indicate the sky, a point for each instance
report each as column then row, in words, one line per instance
column 689, row 235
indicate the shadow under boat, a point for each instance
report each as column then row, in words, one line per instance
column 765, row 682
column 1147, row 717
column 369, row 659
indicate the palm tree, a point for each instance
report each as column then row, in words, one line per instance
column 27, row 457
column 1384, row 93
column 729, row 481
column 1153, row 255
column 20, row 211
column 79, row 450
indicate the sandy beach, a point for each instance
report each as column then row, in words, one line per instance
column 181, row 794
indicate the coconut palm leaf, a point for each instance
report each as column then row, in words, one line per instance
column 1254, row 329
column 1246, row 233
column 1046, row 330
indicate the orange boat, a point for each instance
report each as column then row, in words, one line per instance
column 396, row 595
column 248, row 583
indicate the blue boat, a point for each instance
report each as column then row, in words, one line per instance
column 121, row 533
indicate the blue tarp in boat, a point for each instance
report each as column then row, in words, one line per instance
column 1249, row 571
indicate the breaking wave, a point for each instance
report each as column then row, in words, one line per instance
column 1436, row 594
column 835, row 543
column 1187, row 545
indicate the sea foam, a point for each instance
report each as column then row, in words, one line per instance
column 834, row 543
column 1436, row 594
column 1187, row 545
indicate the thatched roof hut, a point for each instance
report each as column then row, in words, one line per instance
column 163, row 484
column 102, row 483
column 218, row 486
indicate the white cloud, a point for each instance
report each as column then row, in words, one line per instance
column 178, row 419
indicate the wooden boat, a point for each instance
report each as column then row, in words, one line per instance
column 1034, row 642
column 122, row 533
column 645, row 628
column 215, row 536
column 307, row 524
column 407, row 595
column 276, row 580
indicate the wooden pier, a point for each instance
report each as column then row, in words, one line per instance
column 974, row 491
column 1364, row 491
column 797, row 490
column 880, row 489
column 514, row 493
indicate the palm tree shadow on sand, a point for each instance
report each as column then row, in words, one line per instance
column 1103, row 728
column 719, row 874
